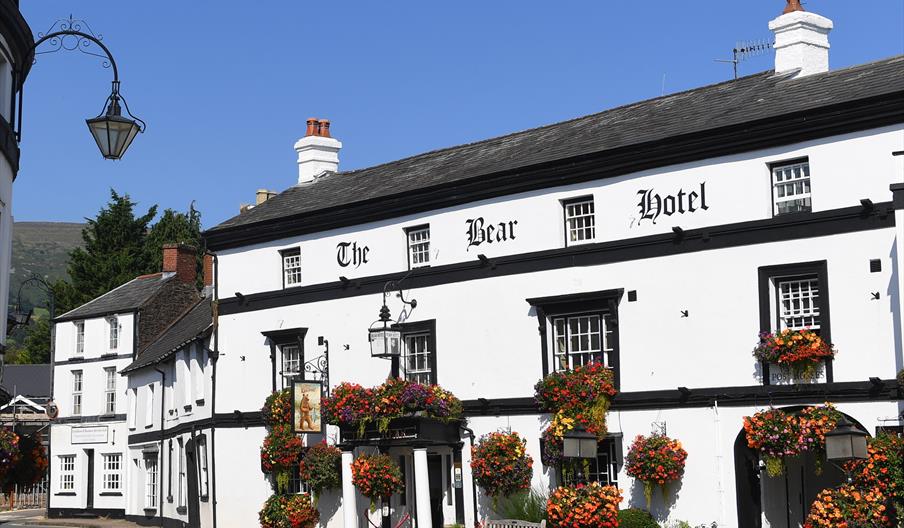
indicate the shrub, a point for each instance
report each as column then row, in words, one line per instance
column 321, row 467
column 528, row 506
column 501, row 465
column 289, row 511
column 636, row 518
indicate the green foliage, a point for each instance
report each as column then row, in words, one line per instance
column 636, row 518
column 175, row 227
column 679, row 524
column 36, row 346
column 528, row 506
column 114, row 251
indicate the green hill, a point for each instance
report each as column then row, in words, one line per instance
column 41, row 248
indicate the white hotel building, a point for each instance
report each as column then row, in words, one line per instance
column 659, row 237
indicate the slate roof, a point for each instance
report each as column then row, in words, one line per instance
column 31, row 381
column 753, row 98
column 196, row 322
column 128, row 297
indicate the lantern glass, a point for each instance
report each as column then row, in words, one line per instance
column 385, row 342
column 579, row 444
column 846, row 442
column 113, row 133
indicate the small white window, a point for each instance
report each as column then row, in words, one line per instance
column 291, row 360
column 798, row 300
column 197, row 372
column 579, row 340
column 580, row 221
column 80, row 338
column 182, row 478
column 77, row 392
column 115, row 327
column 202, row 462
column 112, row 467
column 419, row 359
column 791, row 188
column 67, row 473
column 133, row 407
column 150, row 482
column 291, row 267
column 149, row 406
column 110, row 390
column 419, row 247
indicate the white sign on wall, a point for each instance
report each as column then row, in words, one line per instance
column 90, row 435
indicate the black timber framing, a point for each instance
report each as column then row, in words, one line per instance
column 233, row 420
column 791, row 227
column 796, row 127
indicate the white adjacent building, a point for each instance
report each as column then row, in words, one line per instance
column 16, row 40
column 89, row 439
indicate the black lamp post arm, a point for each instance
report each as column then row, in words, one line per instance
column 60, row 35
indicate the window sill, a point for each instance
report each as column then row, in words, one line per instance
column 199, row 402
column 75, row 359
column 149, row 426
column 108, row 355
column 110, row 494
column 187, row 408
column 150, row 511
column 65, row 494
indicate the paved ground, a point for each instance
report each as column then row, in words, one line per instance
column 22, row 518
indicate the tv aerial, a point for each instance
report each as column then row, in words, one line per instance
column 744, row 50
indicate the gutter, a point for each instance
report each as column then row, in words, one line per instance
column 470, row 434
column 162, row 441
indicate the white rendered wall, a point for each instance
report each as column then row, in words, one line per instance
column 738, row 188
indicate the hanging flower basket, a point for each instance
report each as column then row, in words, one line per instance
column 9, row 451
column 655, row 460
column 500, row 464
column 377, row 476
column 801, row 352
column 815, row 422
column 289, row 511
column 590, row 506
column 883, row 469
column 280, row 453
column 775, row 435
column 574, row 397
column 321, row 467
column 848, row 507
column 277, row 409
column 353, row 405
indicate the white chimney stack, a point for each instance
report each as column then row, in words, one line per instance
column 801, row 41
column 317, row 151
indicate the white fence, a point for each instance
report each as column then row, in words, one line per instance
column 34, row 496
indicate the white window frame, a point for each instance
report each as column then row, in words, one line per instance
column 151, row 482
column 797, row 302
column 423, row 373
column 796, row 178
column 197, row 372
column 133, row 407
column 291, row 267
column 564, row 337
column 418, row 246
column 67, row 472
column 182, row 479
column 111, row 469
column 292, row 363
column 580, row 220
column 201, row 449
column 114, row 328
column 78, row 385
column 149, row 405
column 80, row 338
column 110, row 390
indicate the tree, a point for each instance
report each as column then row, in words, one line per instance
column 114, row 251
column 35, row 348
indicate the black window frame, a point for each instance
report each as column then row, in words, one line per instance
column 276, row 339
column 288, row 252
column 603, row 302
column 569, row 201
column 768, row 304
column 415, row 328
column 408, row 230
column 772, row 165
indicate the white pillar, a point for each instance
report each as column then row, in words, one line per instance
column 422, row 487
column 349, row 502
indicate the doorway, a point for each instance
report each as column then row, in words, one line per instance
column 89, row 494
column 191, row 476
column 435, row 480
column 787, row 498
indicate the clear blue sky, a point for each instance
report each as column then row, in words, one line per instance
column 226, row 86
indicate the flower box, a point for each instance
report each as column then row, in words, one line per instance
column 403, row 430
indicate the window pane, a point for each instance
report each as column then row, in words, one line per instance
column 791, row 188
column 580, row 222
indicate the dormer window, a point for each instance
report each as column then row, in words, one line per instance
column 418, row 246
column 291, row 260
column 80, row 338
column 115, row 327
column 791, row 188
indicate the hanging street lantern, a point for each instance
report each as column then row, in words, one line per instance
column 113, row 132
column 846, row 443
column 578, row 443
column 385, row 342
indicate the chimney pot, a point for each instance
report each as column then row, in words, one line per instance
column 312, row 127
column 180, row 259
column 208, row 270
column 325, row 128
column 793, row 5
column 262, row 195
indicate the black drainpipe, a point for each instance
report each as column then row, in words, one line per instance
column 470, row 433
column 214, row 356
column 162, row 440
